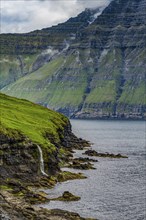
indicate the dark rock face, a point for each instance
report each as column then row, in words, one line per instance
column 18, row 159
column 93, row 153
column 119, row 39
column 70, row 141
column 10, row 210
column 68, row 197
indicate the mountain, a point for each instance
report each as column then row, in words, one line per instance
column 21, row 54
column 87, row 67
column 55, row 36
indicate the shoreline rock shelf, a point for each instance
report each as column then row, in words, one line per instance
column 93, row 153
column 81, row 163
column 67, row 196
column 81, row 166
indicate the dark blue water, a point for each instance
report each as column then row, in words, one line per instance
column 116, row 189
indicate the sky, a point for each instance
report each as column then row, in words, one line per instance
column 22, row 16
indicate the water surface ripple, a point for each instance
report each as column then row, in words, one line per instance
column 116, row 189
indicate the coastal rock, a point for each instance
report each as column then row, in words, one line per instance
column 84, row 159
column 66, row 175
column 96, row 154
column 67, row 196
column 81, row 166
column 25, row 212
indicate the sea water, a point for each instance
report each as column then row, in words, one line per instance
column 116, row 189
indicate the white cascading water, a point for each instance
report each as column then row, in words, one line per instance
column 41, row 161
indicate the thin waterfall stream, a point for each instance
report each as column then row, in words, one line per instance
column 41, row 161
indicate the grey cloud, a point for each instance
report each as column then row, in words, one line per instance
column 13, row 19
column 27, row 15
column 94, row 3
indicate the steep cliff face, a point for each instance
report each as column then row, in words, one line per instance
column 19, row 158
column 117, row 42
column 29, row 135
column 34, row 141
column 120, row 45
column 100, row 70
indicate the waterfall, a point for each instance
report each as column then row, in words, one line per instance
column 41, row 161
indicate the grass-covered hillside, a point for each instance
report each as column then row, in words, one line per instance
column 41, row 125
column 87, row 67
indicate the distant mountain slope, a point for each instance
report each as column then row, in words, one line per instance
column 21, row 54
column 99, row 73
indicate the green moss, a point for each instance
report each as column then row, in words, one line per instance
column 66, row 175
column 19, row 194
column 5, row 187
column 68, row 197
column 1, row 152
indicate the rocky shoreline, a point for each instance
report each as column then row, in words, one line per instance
column 11, row 210
column 93, row 153
column 21, row 179
column 125, row 117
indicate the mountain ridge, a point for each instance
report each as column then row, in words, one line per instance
column 99, row 73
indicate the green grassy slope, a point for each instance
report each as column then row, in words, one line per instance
column 34, row 121
column 14, row 67
column 104, row 92
column 49, row 84
column 100, row 68
column 134, row 96
column 33, row 83
column 62, row 83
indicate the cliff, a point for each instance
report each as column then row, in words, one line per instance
column 27, row 129
column 35, row 141
column 91, row 68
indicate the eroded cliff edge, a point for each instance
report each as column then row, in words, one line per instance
column 24, row 127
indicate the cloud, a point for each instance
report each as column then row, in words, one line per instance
column 26, row 15
column 94, row 3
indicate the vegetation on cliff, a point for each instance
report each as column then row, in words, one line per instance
column 41, row 125
column 24, row 127
column 35, row 138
